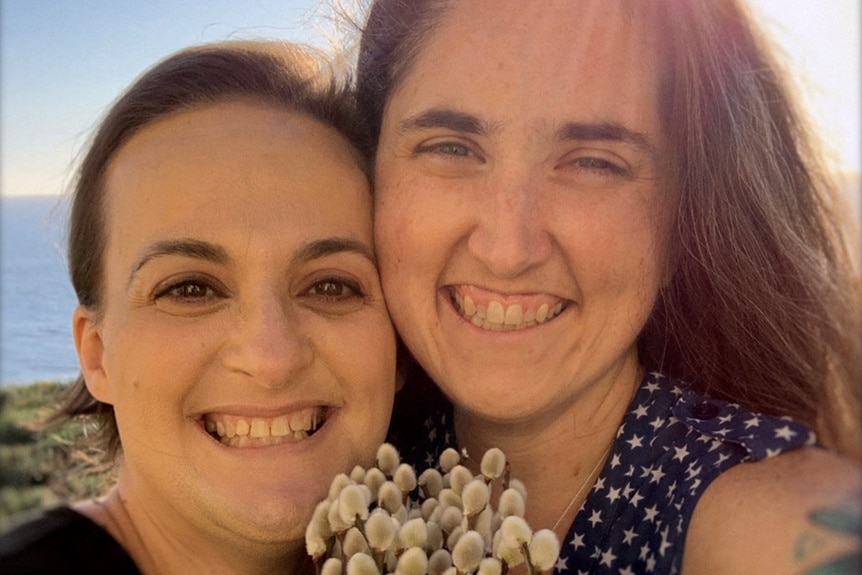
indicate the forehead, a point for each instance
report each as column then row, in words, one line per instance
column 201, row 169
column 594, row 56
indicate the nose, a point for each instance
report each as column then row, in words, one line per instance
column 510, row 235
column 268, row 344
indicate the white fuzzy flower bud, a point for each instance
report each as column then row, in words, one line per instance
column 484, row 525
column 449, row 459
column 451, row 518
column 448, row 498
column 439, row 562
column 405, row 477
column 511, row 503
column 318, row 530
column 430, row 482
column 352, row 503
column 389, row 497
column 336, row 523
column 388, row 459
column 332, row 566
column 519, row 485
column 468, row 552
column 357, row 474
column 338, row 483
column 361, row 564
column 413, row 533
column 414, row 561
column 435, row 515
column 475, row 497
column 515, row 531
column 453, row 537
column 428, row 507
column 490, row 566
column 493, row 463
column 379, row 529
column 401, row 515
column 544, row 549
column 435, row 537
column 315, row 545
column 459, row 477
column 354, row 542
column 415, row 513
column 374, row 478
column 511, row 556
column 451, row 571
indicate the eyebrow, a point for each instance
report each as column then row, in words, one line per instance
column 576, row 131
column 199, row 249
column 186, row 247
column 603, row 131
column 446, row 118
column 328, row 246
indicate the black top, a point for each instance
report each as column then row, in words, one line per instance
column 62, row 541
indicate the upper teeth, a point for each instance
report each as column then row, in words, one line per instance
column 239, row 431
column 496, row 317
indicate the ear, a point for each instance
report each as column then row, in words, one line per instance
column 91, row 348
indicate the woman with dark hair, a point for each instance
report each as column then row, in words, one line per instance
column 608, row 239
column 232, row 334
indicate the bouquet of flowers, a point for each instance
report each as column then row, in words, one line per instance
column 391, row 519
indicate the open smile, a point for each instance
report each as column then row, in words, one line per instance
column 238, row 431
column 509, row 313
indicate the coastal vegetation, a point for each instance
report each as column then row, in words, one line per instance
column 42, row 466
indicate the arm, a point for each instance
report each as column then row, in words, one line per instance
column 799, row 513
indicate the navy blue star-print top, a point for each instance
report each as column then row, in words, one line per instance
column 671, row 444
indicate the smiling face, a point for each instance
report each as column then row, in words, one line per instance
column 243, row 339
column 522, row 211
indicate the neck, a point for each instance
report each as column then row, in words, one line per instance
column 557, row 458
column 158, row 547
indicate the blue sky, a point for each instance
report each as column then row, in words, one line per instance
column 62, row 63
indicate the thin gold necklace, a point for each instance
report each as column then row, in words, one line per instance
column 583, row 484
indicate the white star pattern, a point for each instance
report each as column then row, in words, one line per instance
column 680, row 453
column 635, row 518
column 650, row 564
column 577, row 541
column 651, row 513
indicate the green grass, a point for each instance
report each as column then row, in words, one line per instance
column 40, row 467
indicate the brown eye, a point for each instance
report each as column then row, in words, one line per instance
column 335, row 289
column 190, row 291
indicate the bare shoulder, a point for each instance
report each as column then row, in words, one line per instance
column 799, row 512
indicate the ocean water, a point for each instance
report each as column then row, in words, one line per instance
column 36, row 296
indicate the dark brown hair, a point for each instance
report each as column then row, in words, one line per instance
column 280, row 74
column 763, row 308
